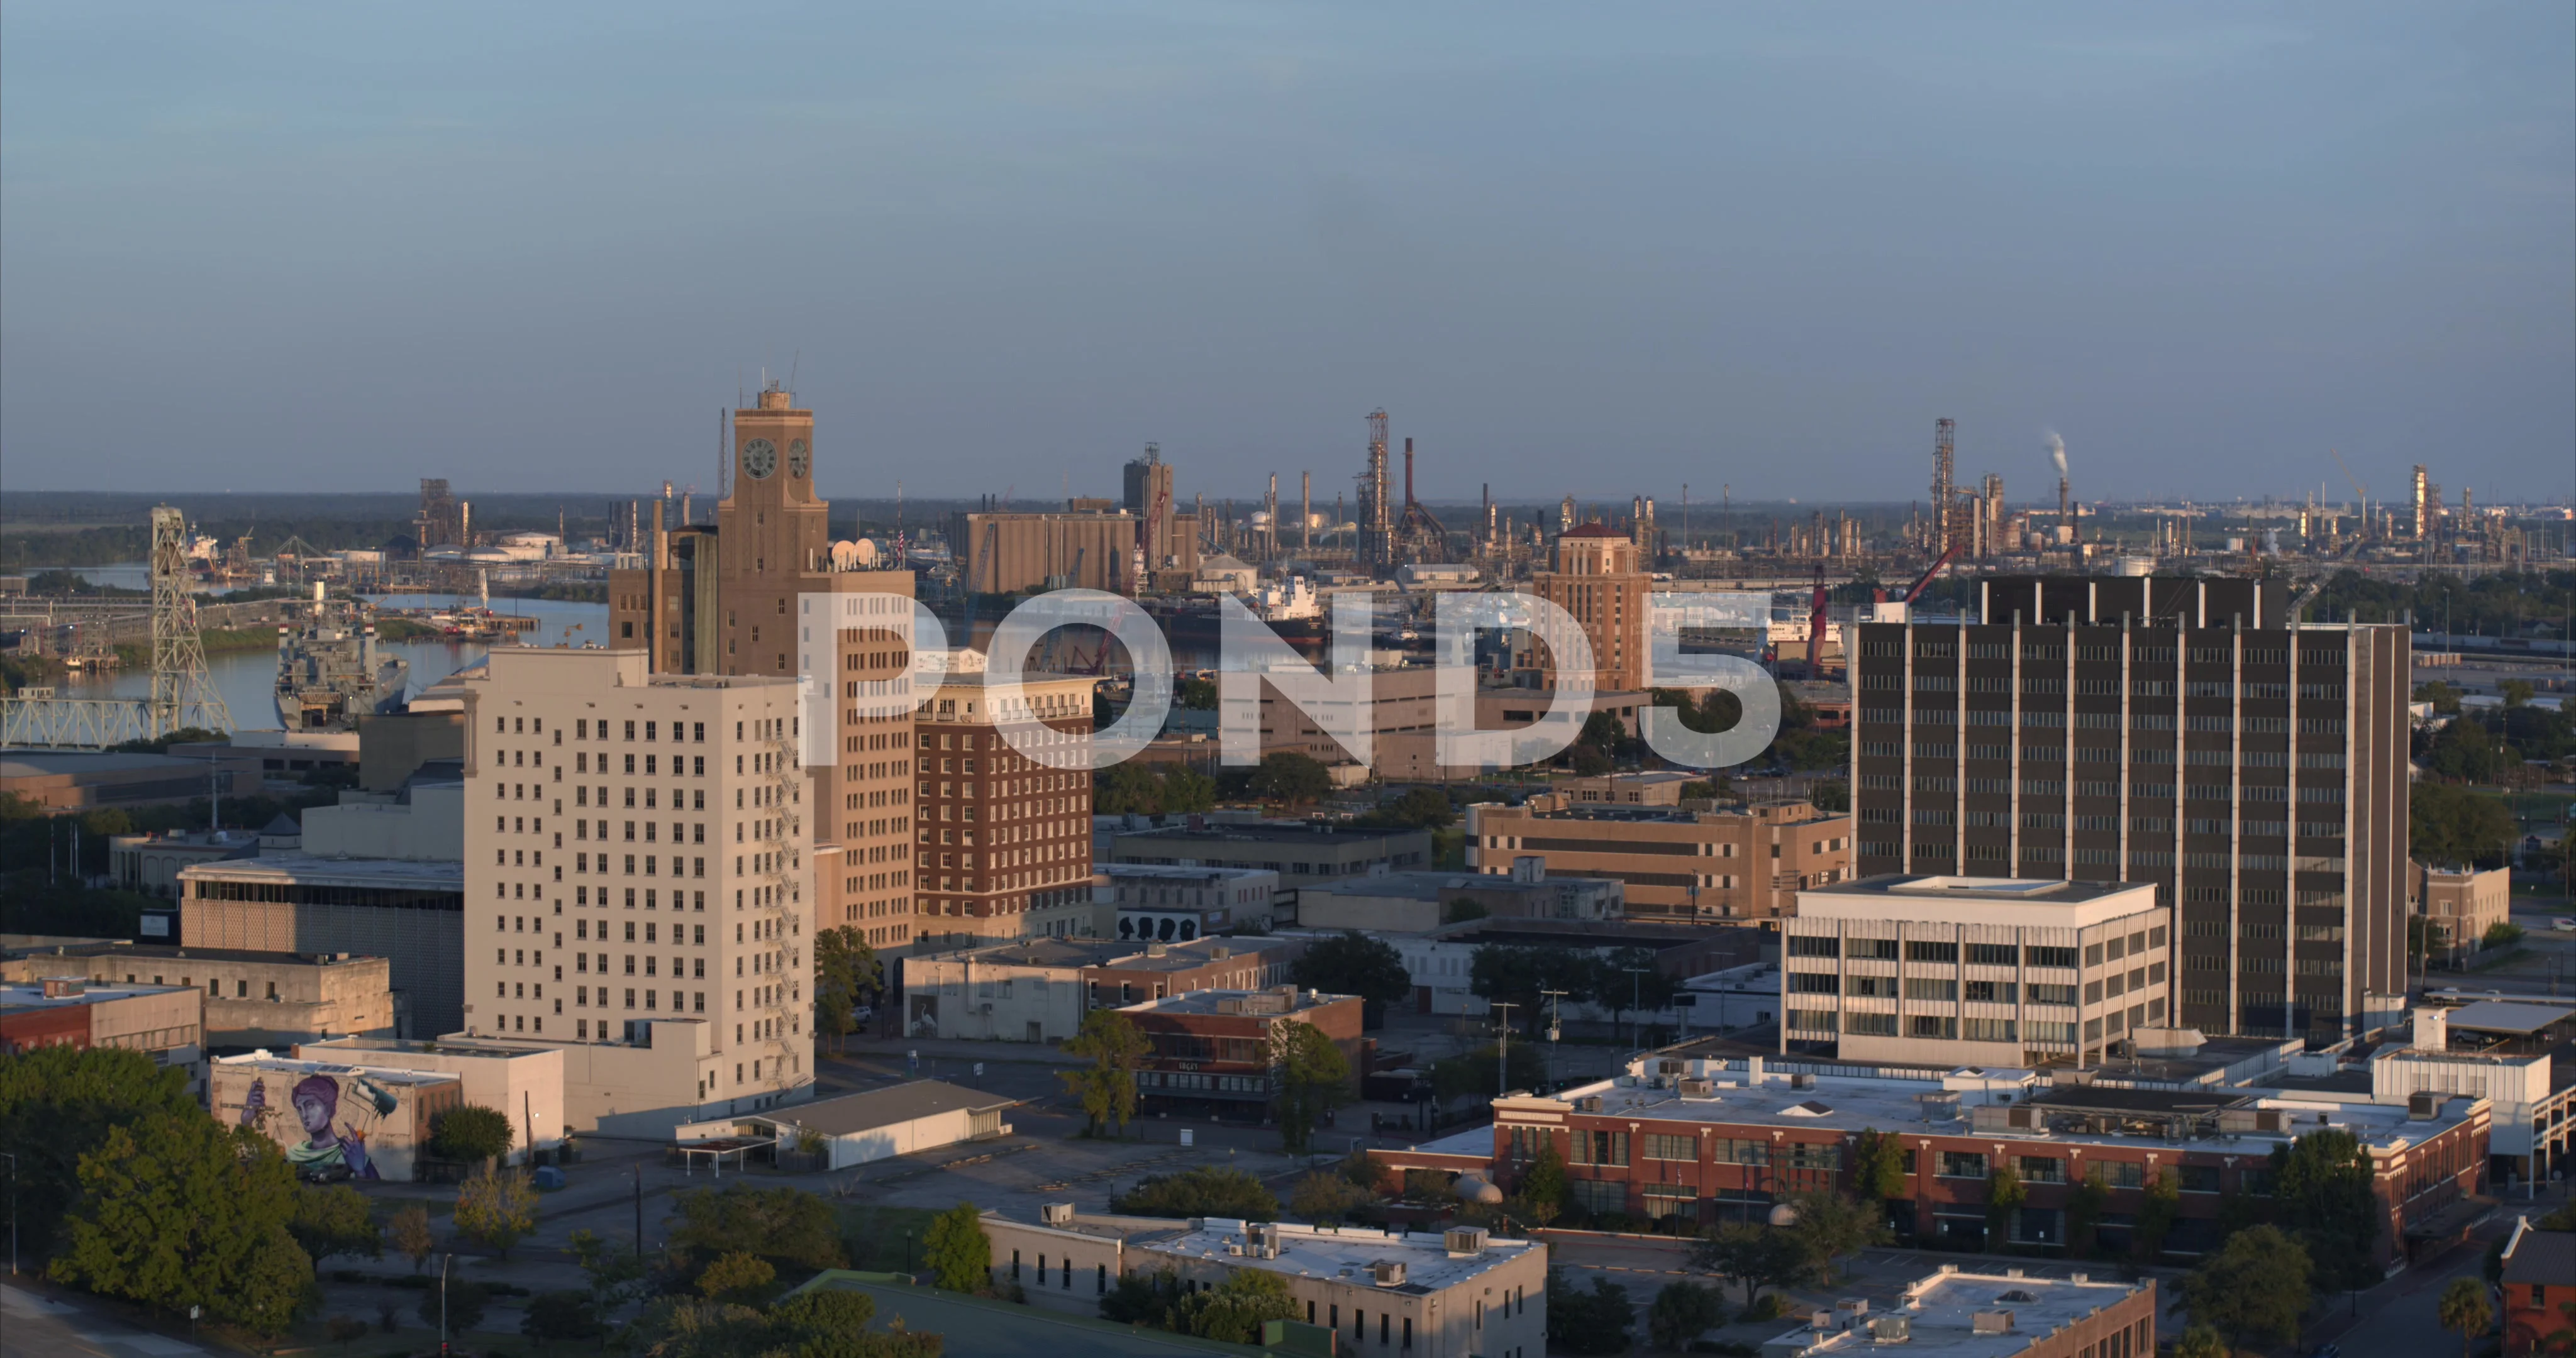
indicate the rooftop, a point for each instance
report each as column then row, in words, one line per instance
column 2507, row 1016
column 307, row 869
column 264, row 1060
column 1325, row 1251
column 54, row 763
column 31, row 994
column 1120, row 954
column 1436, row 886
column 2541, row 1257
column 1167, row 872
column 1308, row 832
column 1906, row 895
column 1973, row 1315
column 168, row 952
column 1249, row 1003
column 851, row 1114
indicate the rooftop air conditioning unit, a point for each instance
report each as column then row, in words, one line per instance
column 1464, row 1239
column 1695, row 1089
column 1387, row 1272
column 1991, row 1322
column 65, row 987
column 1802, row 1081
column 2423, row 1106
column 1056, row 1213
column 1589, row 1103
column 1890, row 1329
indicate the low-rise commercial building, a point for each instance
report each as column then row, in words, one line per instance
column 1453, row 1294
column 150, row 864
column 856, row 1129
column 1989, row 1313
column 1441, row 962
column 409, row 912
column 1737, row 863
column 1724, row 1138
column 1214, row 1052
column 165, row 1022
column 252, row 999
column 1037, row 990
column 2458, row 905
column 1417, row 902
column 83, row 780
column 2515, row 1055
column 1177, row 904
column 526, row 1083
column 2539, row 1287
column 334, row 1121
column 1302, row 854
column 1941, row 970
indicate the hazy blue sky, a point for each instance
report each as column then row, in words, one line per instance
column 1607, row 249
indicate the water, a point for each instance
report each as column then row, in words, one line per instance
column 248, row 679
column 122, row 575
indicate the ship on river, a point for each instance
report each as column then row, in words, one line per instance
column 330, row 670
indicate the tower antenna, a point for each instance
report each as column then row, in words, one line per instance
column 792, row 365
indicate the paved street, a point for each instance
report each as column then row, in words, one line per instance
column 38, row 1326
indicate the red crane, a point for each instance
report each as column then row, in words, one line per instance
column 1926, row 582
column 1816, row 622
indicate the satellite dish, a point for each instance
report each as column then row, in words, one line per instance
column 867, row 550
column 1782, row 1214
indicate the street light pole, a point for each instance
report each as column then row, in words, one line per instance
column 443, row 1261
column 1555, row 1030
column 1503, row 1052
column 1636, row 1021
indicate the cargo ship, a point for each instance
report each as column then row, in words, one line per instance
column 330, row 671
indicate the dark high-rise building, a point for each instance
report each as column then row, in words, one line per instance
column 2181, row 732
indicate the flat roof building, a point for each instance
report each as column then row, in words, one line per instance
column 1142, row 901
column 1214, row 1052
column 165, row 1022
column 1301, row 854
column 1990, row 1313
column 1037, row 990
column 410, row 913
column 1418, row 902
column 1725, row 863
column 876, row 1124
column 252, row 999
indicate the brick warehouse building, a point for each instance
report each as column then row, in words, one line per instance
column 2188, row 733
column 1718, row 1140
column 1213, row 1050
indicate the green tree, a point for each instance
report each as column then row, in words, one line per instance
column 2444, row 698
column 2517, row 692
column 1314, row 1076
column 2085, row 1204
column 1474, row 1075
column 787, row 1225
column 1233, row 1310
column 334, row 1220
column 2253, row 1288
column 1755, row 1256
column 459, row 1304
column 1628, row 981
column 1517, row 974
column 1879, row 1164
column 846, row 970
column 2200, row 1341
column 1287, row 776
column 741, row 1277
column 2465, row 1307
column 1106, row 1087
column 1830, row 1225
column 58, row 1103
column 1420, row 808
column 1201, row 1191
column 2501, row 934
column 1186, row 789
column 561, row 1317
column 472, row 1134
column 1126, row 790
column 409, row 1233
column 956, row 1250
column 1831, row 796
column 1681, row 1311
column 1326, row 1198
column 2321, row 1186
column 176, row 1211
column 1546, row 1190
column 1588, row 1321
column 1352, row 963
column 2004, row 1196
column 2156, row 1216
column 611, row 1276
column 2449, row 826
column 497, row 1207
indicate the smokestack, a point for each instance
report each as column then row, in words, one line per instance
column 1305, row 511
column 1408, row 472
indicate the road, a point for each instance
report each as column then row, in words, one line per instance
column 39, row 1326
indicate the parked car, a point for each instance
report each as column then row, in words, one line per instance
column 2564, row 925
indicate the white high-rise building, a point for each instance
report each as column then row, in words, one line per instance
column 639, row 876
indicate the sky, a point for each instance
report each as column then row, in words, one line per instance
column 1603, row 250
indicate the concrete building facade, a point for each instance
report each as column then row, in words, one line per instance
column 252, row 999
column 1037, row 990
column 2458, row 905
column 1144, row 901
column 1301, row 854
column 1727, row 864
column 165, row 1022
column 409, row 913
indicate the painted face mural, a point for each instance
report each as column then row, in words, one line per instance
column 329, row 1142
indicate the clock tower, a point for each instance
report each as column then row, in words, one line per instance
column 774, row 528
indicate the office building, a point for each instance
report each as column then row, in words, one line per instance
column 1725, row 1138
column 252, row 999
column 1597, row 580
column 1214, row 1053
column 85, row 780
column 407, row 911
column 1003, row 842
column 1974, row 971
column 1302, row 854
column 2458, row 905
column 1417, row 902
column 1453, row 1294
column 646, row 860
column 1145, row 901
column 1729, row 863
column 762, row 592
column 166, row 1023
column 1037, row 990
column 1989, row 1313
column 2182, row 733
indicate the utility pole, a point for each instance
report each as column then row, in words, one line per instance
column 443, row 1261
column 1636, row 1019
column 639, row 1211
column 1554, row 1031
column 1503, row 1052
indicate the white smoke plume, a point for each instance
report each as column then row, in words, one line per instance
column 2056, row 451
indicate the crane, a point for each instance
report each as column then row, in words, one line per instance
column 1816, row 623
column 1926, row 582
column 2360, row 491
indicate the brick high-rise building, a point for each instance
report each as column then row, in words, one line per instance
column 2179, row 732
column 1003, row 849
column 737, row 599
column 1597, row 580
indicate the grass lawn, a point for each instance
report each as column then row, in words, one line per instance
column 873, row 1234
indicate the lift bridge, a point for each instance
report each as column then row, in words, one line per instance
column 182, row 694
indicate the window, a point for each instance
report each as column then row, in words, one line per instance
column 1741, row 1152
column 1963, row 1165
column 1873, row 949
column 2042, row 1169
column 1919, row 951
column 1993, row 992
column 2198, row 1178
column 1930, row 988
column 1812, row 945
column 1600, row 1148
column 1671, row 1147
column 1994, row 954
column 1600, row 1195
column 2123, row 1173
column 2051, row 957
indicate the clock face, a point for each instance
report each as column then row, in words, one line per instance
column 759, row 459
column 799, row 462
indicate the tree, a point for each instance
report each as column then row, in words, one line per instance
column 459, row 1305
column 2321, row 1184
column 956, row 1250
column 741, row 1276
column 1474, row 1075
column 2004, row 1196
column 1313, row 1077
column 57, row 1104
column 1831, row 796
column 1879, row 1164
column 1126, row 790
column 471, row 1133
column 560, row 1317
column 1352, row 963
column 2254, row 1287
column 1326, row 1198
column 1830, row 1225
column 1420, row 808
column 1546, row 1189
column 1287, row 776
column 2156, row 1216
column 1201, row 1191
column 411, row 1237
column 497, row 1207
column 2452, row 826
column 2085, row 1204
column 2464, row 1307
column 177, row 1211
column 1516, row 974
column 334, row 1220
column 1233, row 1310
column 1629, row 980
column 1755, row 1256
column 2200, row 1341
column 1681, row 1311
column 845, row 970
column 1593, row 1321
column 785, row 1224
column 1107, row 1087
column 2501, row 934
